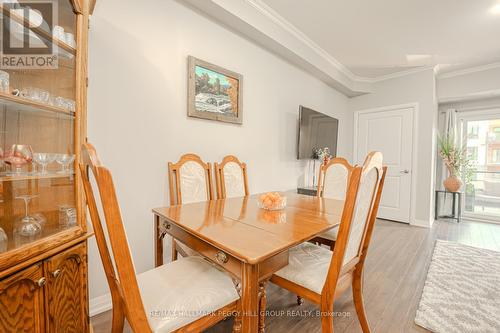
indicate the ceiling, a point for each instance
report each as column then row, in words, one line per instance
column 377, row 38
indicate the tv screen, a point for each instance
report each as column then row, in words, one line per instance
column 316, row 131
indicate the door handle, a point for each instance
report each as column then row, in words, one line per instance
column 405, row 171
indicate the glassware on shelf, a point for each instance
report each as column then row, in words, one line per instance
column 44, row 159
column 27, row 225
column 18, row 156
column 64, row 103
column 65, row 160
column 4, row 81
column 36, row 94
column 3, row 240
column 67, row 215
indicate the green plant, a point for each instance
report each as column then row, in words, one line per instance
column 455, row 158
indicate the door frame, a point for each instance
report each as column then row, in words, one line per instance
column 414, row 107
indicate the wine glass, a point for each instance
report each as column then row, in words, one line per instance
column 44, row 159
column 27, row 225
column 18, row 156
column 65, row 160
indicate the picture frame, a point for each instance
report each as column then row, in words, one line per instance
column 214, row 93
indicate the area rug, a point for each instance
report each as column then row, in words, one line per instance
column 462, row 290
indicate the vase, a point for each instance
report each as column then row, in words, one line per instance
column 453, row 183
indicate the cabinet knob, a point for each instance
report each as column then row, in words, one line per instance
column 56, row 273
column 41, row 282
column 221, row 257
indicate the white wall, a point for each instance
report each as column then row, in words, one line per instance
column 137, row 109
column 416, row 88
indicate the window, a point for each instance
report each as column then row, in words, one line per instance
column 472, row 153
column 495, row 156
column 473, row 132
column 496, row 134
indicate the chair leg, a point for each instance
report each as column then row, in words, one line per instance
column 237, row 319
column 332, row 246
column 357, row 293
column 174, row 250
column 262, row 306
column 118, row 319
column 326, row 319
column 300, row 300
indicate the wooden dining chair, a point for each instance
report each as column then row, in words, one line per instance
column 188, row 295
column 231, row 178
column 190, row 180
column 333, row 181
column 320, row 275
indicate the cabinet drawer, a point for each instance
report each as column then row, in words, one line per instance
column 21, row 301
column 66, row 292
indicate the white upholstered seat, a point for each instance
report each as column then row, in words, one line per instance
column 183, row 291
column 194, row 186
column 307, row 266
column 233, row 180
column 331, row 234
column 334, row 186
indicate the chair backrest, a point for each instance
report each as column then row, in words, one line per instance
column 360, row 211
column 333, row 179
column 190, row 180
column 231, row 178
column 120, row 275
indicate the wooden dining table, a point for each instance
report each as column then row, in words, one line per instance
column 250, row 243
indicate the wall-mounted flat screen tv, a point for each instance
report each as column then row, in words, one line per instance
column 316, row 131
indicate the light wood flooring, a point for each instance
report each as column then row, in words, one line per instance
column 394, row 277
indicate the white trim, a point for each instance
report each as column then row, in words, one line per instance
column 274, row 16
column 415, row 114
column 422, row 223
column 100, row 304
column 270, row 13
column 488, row 94
column 394, row 75
column 469, row 70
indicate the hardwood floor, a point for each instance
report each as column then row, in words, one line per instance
column 394, row 277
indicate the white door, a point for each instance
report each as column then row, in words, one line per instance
column 389, row 131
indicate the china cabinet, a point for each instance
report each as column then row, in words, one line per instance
column 43, row 231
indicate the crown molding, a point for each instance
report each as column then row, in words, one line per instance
column 255, row 21
column 286, row 25
column 395, row 75
column 482, row 95
column 469, row 70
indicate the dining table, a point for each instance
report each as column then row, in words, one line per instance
column 248, row 242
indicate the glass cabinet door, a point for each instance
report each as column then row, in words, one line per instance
column 38, row 121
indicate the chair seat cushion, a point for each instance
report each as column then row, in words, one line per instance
column 331, row 234
column 183, row 291
column 307, row 266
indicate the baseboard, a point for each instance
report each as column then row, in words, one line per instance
column 422, row 223
column 100, row 304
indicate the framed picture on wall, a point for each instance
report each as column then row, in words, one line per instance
column 214, row 93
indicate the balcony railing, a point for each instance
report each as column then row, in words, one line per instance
column 483, row 195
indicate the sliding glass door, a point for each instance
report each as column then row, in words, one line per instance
column 481, row 132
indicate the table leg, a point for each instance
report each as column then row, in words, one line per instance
column 159, row 243
column 249, row 298
column 262, row 306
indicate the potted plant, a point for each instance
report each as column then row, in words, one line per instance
column 457, row 162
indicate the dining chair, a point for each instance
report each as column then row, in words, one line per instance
column 231, row 178
column 190, row 180
column 333, row 181
column 320, row 275
column 188, row 295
